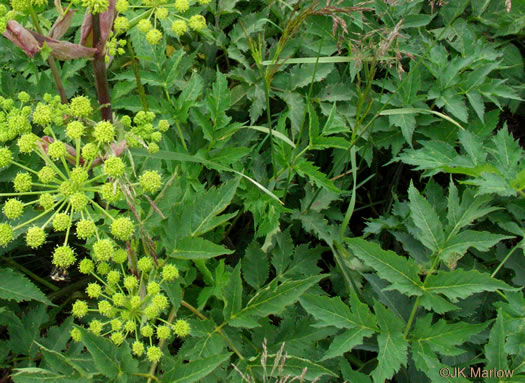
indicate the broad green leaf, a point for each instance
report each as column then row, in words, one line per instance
column 476, row 101
column 282, row 253
column 443, row 337
column 196, row 248
column 430, row 231
column 431, row 157
column 59, row 362
column 416, row 21
column 103, row 352
column 17, row 287
column 407, row 123
column 175, row 156
column 506, row 151
column 219, row 100
column 233, row 294
column 401, row 272
column 316, row 223
column 296, row 109
column 333, row 312
column 493, row 183
column 391, row 343
column 460, row 284
column 460, row 243
column 436, row 303
column 255, row 266
column 495, row 348
column 210, row 205
column 304, row 74
column 470, row 209
column 174, row 293
column 455, row 105
column 195, row 370
column 272, row 300
column 346, row 342
column 473, row 146
column 427, row 362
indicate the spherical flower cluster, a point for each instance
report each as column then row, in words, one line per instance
column 114, row 167
column 64, row 188
column 132, row 311
column 13, row 208
column 75, row 130
column 151, row 181
column 142, row 131
column 104, row 132
column 197, row 22
column 155, row 13
column 80, row 107
column 153, row 36
column 35, row 237
column 122, row 228
column 96, row 6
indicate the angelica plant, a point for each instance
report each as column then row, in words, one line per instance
column 61, row 182
column 129, row 307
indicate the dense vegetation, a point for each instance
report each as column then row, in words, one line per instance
column 262, row 191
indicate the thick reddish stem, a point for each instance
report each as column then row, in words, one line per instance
column 99, row 66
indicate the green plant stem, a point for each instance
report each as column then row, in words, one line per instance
column 506, row 258
column 32, row 275
column 217, row 329
column 50, row 60
column 416, row 303
column 140, row 87
column 153, row 367
column 99, row 67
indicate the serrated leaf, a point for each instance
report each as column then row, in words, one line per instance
column 17, row 287
column 219, row 100
column 103, row 353
column 460, row 284
column 460, row 243
column 391, row 343
column 495, row 348
column 233, row 294
column 333, row 312
column 470, row 209
column 195, row 370
column 493, row 183
column 197, row 248
column 455, row 105
column 443, row 337
column 174, row 293
column 506, row 151
column 407, row 123
column 296, row 109
column 401, row 272
column 426, row 219
column 427, row 362
column 436, row 303
column 473, row 146
column 306, row 168
column 346, row 342
column 431, row 157
column 477, row 103
column 272, row 300
column 255, row 266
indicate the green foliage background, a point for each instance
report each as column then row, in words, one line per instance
column 349, row 183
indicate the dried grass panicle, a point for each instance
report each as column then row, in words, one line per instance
column 278, row 366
